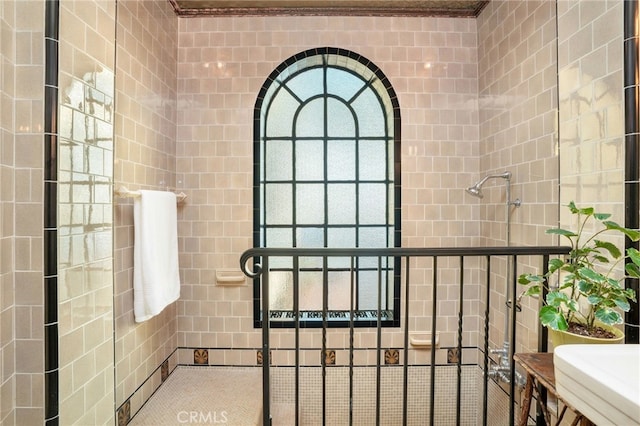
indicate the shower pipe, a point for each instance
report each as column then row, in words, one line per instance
column 506, row 352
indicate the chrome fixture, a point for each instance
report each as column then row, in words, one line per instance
column 476, row 189
column 501, row 371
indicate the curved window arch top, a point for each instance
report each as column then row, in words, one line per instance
column 326, row 174
column 341, row 80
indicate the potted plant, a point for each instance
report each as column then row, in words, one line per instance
column 590, row 293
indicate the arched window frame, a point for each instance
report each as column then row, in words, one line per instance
column 374, row 80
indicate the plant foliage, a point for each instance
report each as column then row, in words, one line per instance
column 587, row 291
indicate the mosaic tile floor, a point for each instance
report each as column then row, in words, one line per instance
column 205, row 395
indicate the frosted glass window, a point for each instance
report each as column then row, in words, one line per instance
column 310, row 121
column 280, row 115
column 279, row 237
column 307, row 165
column 371, row 154
column 309, row 237
column 310, row 291
column 278, row 208
column 278, row 153
column 339, row 237
column 325, row 165
column 341, row 156
column 368, row 285
column 310, row 204
column 341, row 204
column 373, row 204
column 340, row 119
column 307, row 84
column 373, row 237
column 281, row 289
column 369, row 113
column 343, row 84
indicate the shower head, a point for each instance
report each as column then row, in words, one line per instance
column 476, row 189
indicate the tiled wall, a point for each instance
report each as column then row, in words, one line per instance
column 472, row 103
column 591, row 116
column 518, row 110
column 223, row 62
column 85, row 168
column 145, row 127
column 21, row 154
column 7, row 203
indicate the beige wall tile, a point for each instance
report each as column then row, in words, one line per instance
column 145, row 134
column 21, row 78
column 591, row 119
column 219, row 178
column 85, row 269
column 518, row 130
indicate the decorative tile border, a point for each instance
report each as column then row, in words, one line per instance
column 329, row 357
column 391, row 357
column 149, row 386
column 124, row 413
column 333, row 357
column 164, row 370
column 201, row 356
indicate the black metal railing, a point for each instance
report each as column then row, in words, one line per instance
column 514, row 255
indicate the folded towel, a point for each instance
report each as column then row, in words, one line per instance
column 156, row 279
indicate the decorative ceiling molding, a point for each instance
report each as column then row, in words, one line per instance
column 451, row 8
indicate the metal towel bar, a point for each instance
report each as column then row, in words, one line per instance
column 124, row 192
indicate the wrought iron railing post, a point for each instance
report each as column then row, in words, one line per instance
column 266, row 358
column 261, row 269
column 405, row 366
column 513, row 281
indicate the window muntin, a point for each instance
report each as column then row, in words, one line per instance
column 327, row 175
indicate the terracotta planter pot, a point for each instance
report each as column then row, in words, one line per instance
column 559, row 337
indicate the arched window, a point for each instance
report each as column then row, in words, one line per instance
column 327, row 174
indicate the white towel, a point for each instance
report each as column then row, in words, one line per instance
column 156, row 278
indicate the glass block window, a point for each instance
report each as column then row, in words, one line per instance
column 327, row 174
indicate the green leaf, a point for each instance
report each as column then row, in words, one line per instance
column 613, row 284
column 573, row 305
column 610, row 247
column 632, row 270
column 608, row 316
column 585, row 286
column 590, row 274
column 622, row 303
column 552, row 318
column 594, row 300
column 532, row 291
column 601, row 216
column 588, row 211
column 634, row 255
column 556, row 298
column 555, row 264
column 601, row 259
column 633, row 234
column 563, row 232
column 572, row 207
column 526, row 279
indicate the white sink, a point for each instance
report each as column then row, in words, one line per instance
column 600, row 381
